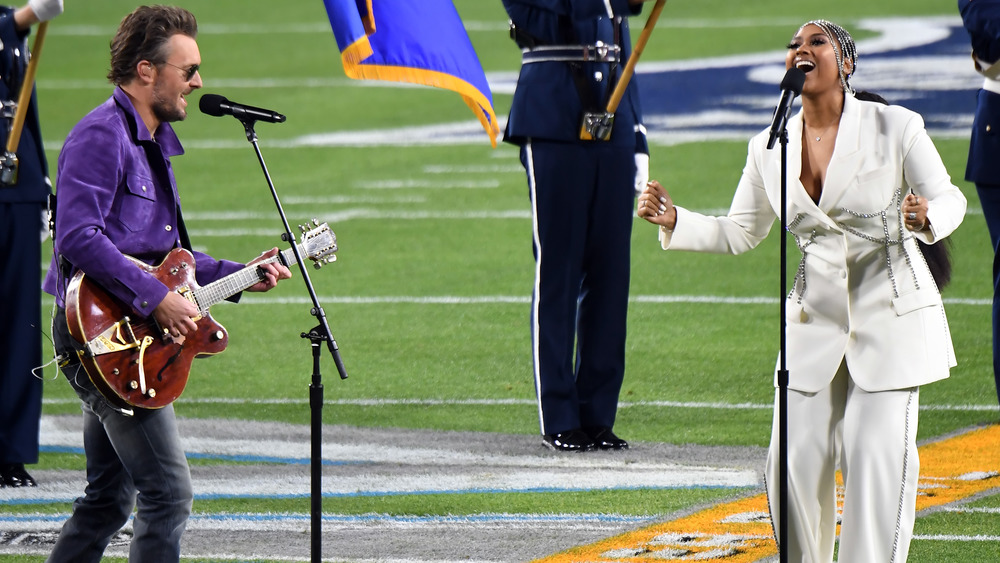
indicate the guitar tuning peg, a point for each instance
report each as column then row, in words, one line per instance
column 317, row 265
column 303, row 228
column 315, row 222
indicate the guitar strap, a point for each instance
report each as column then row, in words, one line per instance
column 154, row 155
column 182, row 232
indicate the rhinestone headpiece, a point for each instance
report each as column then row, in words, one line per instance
column 843, row 46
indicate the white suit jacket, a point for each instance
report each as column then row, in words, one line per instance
column 863, row 291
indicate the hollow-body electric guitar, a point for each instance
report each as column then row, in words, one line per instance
column 135, row 363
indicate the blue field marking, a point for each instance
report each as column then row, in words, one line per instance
column 258, row 518
column 270, row 459
column 921, row 63
column 221, row 457
column 485, row 518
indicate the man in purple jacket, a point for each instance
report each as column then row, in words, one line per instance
column 117, row 196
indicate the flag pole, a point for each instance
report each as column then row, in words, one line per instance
column 640, row 45
column 598, row 125
column 8, row 167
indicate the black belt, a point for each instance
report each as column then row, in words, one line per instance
column 599, row 53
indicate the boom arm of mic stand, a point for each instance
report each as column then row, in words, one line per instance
column 289, row 237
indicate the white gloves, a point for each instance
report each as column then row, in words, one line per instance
column 46, row 9
column 641, row 172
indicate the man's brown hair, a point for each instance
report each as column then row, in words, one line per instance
column 143, row 35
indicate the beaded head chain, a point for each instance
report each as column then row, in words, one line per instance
column 843, row 46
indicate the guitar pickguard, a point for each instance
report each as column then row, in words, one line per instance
column 113, row 339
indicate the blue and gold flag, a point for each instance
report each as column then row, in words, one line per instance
column 422, row 42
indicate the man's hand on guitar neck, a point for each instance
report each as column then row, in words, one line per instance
column 175, row 314
column 273, row 271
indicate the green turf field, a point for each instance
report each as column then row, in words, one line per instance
column 429, row 298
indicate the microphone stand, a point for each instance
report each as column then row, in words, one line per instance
column 318, row 334
column 782, row 365
column 791, row 87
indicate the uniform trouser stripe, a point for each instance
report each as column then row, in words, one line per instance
column 529, row 166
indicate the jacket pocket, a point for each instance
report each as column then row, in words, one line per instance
column 916, row 300
column 875, row 189
column 876, row 176
column 138, row 203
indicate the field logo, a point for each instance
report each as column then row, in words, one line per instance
column 952, row 470
column 923, row 64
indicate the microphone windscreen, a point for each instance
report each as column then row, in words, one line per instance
column 793, row 80
column 212, row 104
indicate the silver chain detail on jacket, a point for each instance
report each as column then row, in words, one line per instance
column 888, row 243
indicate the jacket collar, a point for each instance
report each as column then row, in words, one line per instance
column 165, row 137
column 843, row 164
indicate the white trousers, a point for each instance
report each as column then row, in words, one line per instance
column 873, row 437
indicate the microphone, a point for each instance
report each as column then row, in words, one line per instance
column 216, row 105
column 791, row 86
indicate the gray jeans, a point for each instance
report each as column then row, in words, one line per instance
column 133, row 462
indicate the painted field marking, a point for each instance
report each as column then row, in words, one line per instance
column 484, row 26
column 432, row 470
column 293, row 522
column 387, row 402
column 740, row 531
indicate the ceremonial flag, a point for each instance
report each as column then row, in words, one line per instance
column 418, row 41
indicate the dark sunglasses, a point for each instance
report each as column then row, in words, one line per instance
column 189, row 72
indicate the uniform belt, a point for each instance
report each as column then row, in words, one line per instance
column 599, row 53
column 991, row 85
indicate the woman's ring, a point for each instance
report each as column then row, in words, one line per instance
column 911, row 216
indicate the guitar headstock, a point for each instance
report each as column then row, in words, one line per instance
column 319, row 243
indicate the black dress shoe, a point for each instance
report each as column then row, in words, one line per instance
column 14, row 475
column 605, row 439
column 570, row 441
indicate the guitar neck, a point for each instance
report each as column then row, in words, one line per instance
column 236, row 282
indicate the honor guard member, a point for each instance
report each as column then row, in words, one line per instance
column 982, row 21
column 24, row 192
column 584, row 168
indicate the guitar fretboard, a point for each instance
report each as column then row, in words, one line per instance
column 236, row 282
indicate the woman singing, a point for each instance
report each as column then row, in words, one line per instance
column 866, row 326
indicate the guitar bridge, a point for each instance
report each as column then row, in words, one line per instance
column 113, row 339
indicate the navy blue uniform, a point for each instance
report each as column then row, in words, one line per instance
column 582, row 195
column 982, row 21
column 21, row 225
